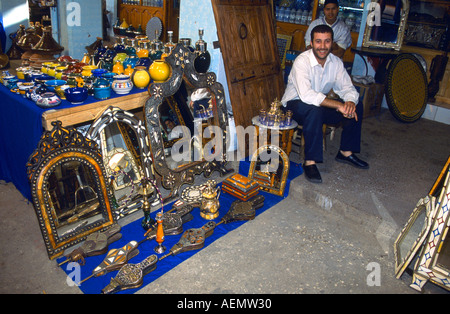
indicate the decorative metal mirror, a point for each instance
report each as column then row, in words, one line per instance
column 386, row 24
column 269, row 167
column 70, row 192
column 213, row 157
column 126, row 155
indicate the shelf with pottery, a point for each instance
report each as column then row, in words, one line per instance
column 88, row 112
column 131, row 95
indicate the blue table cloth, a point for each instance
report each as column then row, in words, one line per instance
column 20, row 131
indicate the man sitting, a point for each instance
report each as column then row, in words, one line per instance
column 314, row 73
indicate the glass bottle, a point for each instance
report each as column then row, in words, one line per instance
column 169, row 45
column 203, row 59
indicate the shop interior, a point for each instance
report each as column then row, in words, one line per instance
column 121, row 135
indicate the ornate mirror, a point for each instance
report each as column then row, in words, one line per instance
column 213, row 153
column 413, row 234
column 270, row 167
column 386, row 23
column 126, row 155
column 433, row 263
column 70, row 192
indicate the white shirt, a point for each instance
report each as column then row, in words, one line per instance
column 341, row 32
column 310, row 82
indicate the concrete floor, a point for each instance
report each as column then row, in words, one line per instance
column 320, row 239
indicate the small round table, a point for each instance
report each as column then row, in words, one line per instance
column 286, row 133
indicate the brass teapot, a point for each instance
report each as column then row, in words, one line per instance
column 209, row 208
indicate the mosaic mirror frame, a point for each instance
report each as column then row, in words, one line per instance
column 413, row 234
column 58, row 147
column 429, row 266
column 181, row 62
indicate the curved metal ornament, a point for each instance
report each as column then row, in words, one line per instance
column 181, row 61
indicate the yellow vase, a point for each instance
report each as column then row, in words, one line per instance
column 117, row 67
column 86, row 58
column 129, row 70
column 159, row 71
column 141, row 77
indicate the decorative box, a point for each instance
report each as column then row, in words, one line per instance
column 241, row 187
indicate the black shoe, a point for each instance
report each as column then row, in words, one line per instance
column 352, row 160
column 312, row 174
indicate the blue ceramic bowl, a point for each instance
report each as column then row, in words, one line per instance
column 51, row 84
column 43, row 78
column 76, row 95
column 98, row 72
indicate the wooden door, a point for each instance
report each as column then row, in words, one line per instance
column 247, row 40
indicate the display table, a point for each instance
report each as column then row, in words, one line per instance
column 286, row 133
column 22, row 123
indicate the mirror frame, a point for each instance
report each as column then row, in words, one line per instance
column 400, row 34
column 402, row 262
column 268, row 187
column 426, row 267
column 181, row 62
column 115, row 114
column 54, row 148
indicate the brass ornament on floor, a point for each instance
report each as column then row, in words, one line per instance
column 131, row 276
column 192, row 239
column 114, row 260
column 95, row 244
column 209, row 208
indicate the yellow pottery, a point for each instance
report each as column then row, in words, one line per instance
column 129, row 70
column 124, row 24
column 59, row 71
column 44, row 68
column 86, row 58
column 20, row 72
column 87, row 70
column 52, row 69
column 118, row 67
column 141, row 77
column 159, row 71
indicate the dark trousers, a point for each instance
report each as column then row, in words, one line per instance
column 312, row 119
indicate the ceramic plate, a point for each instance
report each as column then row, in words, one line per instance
column 154, row 24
